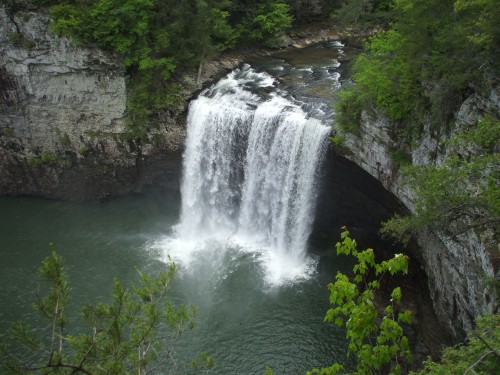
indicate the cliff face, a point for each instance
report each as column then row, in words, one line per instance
column 458, row 267
column 62, row 118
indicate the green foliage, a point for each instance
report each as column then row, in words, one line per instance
column 386, row 76
column 8, row 132
column 351, row 12
column 53, row 305
column 157, row 139
column 66, row 20
column 124, row 26
column 34, row 161
column 422, row 68
column 481, row 27
column 133, row 333
column 268, row 370
column 348, row 109
column 375, row 337
column 93, row 133
column 465, row 187
column 19, row 40
column 64, row 139
column 48, row 157
column 480, row 355
column 400, row 156
column 204, row 361
column 338, row 143
column 270, row 18
column 83, row 150
column 358, row 15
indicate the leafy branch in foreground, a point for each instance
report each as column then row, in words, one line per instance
column 465, row 188
column 134, row 333
column 375, row 336
column 479, row 356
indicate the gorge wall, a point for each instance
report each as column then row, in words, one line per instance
column 63, row 135
column 459, row 267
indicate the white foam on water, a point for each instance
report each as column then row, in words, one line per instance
column 335, row 64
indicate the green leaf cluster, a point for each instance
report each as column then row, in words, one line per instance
column 19, row 40
column 358, row 15
column 133, row 333
column 375, row 336
column 348, row 109
column 269, row 18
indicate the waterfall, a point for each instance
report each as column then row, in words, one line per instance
column 250, row 168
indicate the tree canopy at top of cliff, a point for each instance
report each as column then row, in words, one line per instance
column 435, row 54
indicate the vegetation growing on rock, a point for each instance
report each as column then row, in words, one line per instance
column 434, row 54
column 462, row 193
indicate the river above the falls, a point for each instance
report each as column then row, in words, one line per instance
column 247, row 320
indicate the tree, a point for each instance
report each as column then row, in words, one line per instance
column 375, row 336
column 360, row 15
column 134, row 333
column 269, row 19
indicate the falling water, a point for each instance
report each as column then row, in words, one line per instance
column 250, row 170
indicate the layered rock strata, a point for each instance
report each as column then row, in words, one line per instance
column 63, row 118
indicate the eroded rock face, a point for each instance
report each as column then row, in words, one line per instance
column 62, row 117
column 458, row 267
column 59, row 89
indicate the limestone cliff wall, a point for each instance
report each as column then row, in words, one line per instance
column 62, row 117
column 458, row 267
column 53, row 88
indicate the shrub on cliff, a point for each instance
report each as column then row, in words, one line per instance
column 375, row 339
column 480, row 355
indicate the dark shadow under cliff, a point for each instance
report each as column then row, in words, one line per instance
column 351, row 197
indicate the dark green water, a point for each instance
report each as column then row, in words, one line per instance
column 243, row 323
